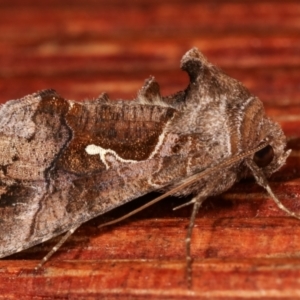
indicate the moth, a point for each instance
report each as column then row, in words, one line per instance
column 63, row 162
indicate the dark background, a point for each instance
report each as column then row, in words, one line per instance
column 243, row 245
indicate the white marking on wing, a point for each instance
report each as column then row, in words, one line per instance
column 160, row 140
column 94, row 149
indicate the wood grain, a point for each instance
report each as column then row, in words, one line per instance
column 243, row 245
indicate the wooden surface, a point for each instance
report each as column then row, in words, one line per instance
column 244, row 247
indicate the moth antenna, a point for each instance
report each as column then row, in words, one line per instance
column 262, row 181
column 55, row 248
column 198, row 200
column 227, row 162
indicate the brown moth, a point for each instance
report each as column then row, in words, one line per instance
column 63, row 163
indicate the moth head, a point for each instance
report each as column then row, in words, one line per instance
column 273, row 156
column 270, row 158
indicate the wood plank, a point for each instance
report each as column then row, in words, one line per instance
column 243, row 246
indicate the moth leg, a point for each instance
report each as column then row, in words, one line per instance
column 262, row 181
column 198, row 200
column 185, row 204
column 55, row 248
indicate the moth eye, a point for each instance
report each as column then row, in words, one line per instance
column 264, row 156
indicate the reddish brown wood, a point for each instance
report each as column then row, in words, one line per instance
column 244, row 246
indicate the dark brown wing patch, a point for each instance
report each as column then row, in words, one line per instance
column 131, row 131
